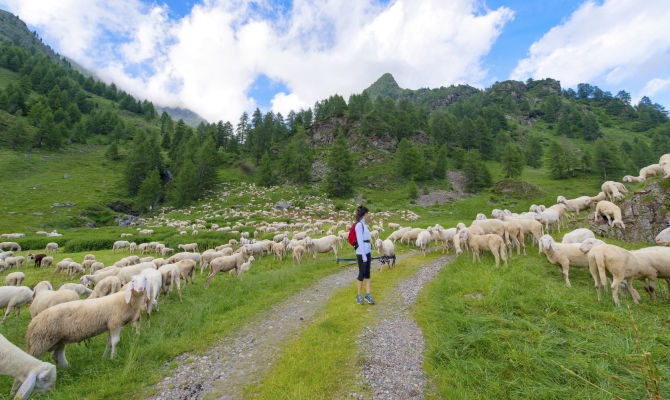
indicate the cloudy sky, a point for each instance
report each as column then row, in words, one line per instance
column 222, row 57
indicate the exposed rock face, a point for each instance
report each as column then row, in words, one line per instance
column 126, row 220
column 283, row 204
column 645, row 213
column 516, row 189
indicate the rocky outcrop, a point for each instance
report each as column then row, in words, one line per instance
column 646, row 212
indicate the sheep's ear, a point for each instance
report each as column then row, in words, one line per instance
column 129, row 291
column 27, row 387
column 50, row 287
column 552, row 245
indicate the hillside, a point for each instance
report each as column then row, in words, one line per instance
column 17, row 32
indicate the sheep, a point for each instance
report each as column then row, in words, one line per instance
column 194, row 233
column 223, row 264
column 146, row 259
column 46, row 262
column 493, row 226
column 74, row 268
column 14, row 297
column 189, row 247
column 298, row 251
column 244, row 267
column 15, row 279
column 549, row 216
column 165, row 251
column 563, row 255
column 645, row 173
column 146, row 232
column 622, row 265
column 278, row 251
column 611, row 211
column 386, row 248
column 575, row 205
column 612, row 190
column 155, row 280
column 37, row 258
column 493, row 243
column 664, row 162
column 12, row 246
column 5, row 254
column 323, row 245
column 16, row 262
column 411, row 234
column 658, row 258
column 374, row 235
column 663, row 237
column 126, row 235
column 600, row 196
column 76, row 287
column 88, row 280
column 105, row 287
column 132, row 247
column 119, row 245
column 444, row 236
column 515, row 231
column 423, row 241
column 143, row 248
column 578, row 236
column 30, row 374
column 47, row 297
column 62, row 265
column 207, row 256
column 171, row 276
column 398, row 234
column 126, row 273
column 184, row 255
column 78, row 320
column 126, row 261
column 186, row 270
column 96, row 266
column 3, row 266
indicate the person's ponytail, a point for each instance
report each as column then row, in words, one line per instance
column 360, row 212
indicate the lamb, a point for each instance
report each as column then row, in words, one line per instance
column 223, row 264
column 78, row 320
column 30, row 374
column 622, row 264
column 155, row 280
column 578, row 236
column 575, row 205
column 12, row 246
column 244, row 267
column 37, row 258
column 322, row 245
column 186, row 270
column 298, row 251
column 105, row 287
column 14, row 297
column 119, row 245
column 611, row 211
column 46, row 262
column 386, row 248
column 423, row 241
column 47, row 297
column 15, row 279
column 171, row 276
column 563, row 255
column 76, row 287
column 493, row 243
column 189, row 247
column 612, row 190
column 51, row 248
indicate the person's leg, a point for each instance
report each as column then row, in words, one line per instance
column 359, row 280
column 367, row 286
column 359, row 284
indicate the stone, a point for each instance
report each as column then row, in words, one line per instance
column 65, row 204
column 283, row 205
column 67, row 176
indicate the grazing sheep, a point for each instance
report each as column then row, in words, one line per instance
column 78, row 320
column 621, row 264
column 386, row 248
column 126, row 261
column 223, row 264
column 74, row 268
column 207, row 256
column 146, row 259
column 37, row 258
column 186, row 270
column 578, row 236
column 126, row 235
column 146, row 232
column 155, row 280
column 46, row 262
column 89, row 257
column 410, row 235
column 612, row 190
column 126, row 273
column 664, row 162
column 14, row 297
column 171, row 277
column 444, row 236
column 244, row 267
column 92, row 280
column 549, row 217
column 575, row 205
column 183, row 256
column 143, row 248
column 298, row 251
column 159, row 262
column 658, row 258
column 611, row 211
column 398, row 234
column 12, row 246
column 3, row 266
column 514, row 231
column 62, row 265
column 30, row 374
column 46, row 297
column 96, row 266
column 51, row 248
column 423, row 241
column 165, row 251
column 645, row 173
column 5, row 254
column 76, row 287
column 15, row 279
column 374, row 235
column 323, row 245
column 278, row 250
column 14, row 262
column 105, row 287
column 599, row 197
column 120, row 245
column 492, row 226
column 563, row 255
column 133, row 247
column 491, row 242
column 189, row 247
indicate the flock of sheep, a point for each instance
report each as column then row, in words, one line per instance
column 131, row 287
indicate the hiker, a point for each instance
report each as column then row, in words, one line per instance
column 363, row 256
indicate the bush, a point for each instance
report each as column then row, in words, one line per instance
column 39, row 243
column 412, row 190
column 77, row 245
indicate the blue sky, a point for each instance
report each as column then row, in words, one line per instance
column 222, row 57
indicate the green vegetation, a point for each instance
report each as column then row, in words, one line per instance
column 339, row 181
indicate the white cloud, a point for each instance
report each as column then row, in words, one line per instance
column 655, row 85
column 207, row 60
column 613, row 42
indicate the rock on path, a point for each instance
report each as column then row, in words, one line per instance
column 224, row 370
column 393, row 347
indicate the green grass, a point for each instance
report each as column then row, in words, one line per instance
column 203, row 317
column 511, row 343
column 323, row 361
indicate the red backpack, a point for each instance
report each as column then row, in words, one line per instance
column 352, row 236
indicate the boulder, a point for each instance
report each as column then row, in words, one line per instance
column 283, row 205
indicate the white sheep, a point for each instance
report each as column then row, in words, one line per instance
column 14, row 262
column 224, row 264
column 120, row 245
column 189, row 247
column 612, row 190
column 96, row 266
column 322, row 245
column 612, row 213
column 410, row 235
column 171, row 277
column 186, row 270
column 155, row 280
column 663, row 237
column 51, row 248
column 578, row 236
column 386, row 248
column 46, row 297
column 76, row 287
column 105, row 287
column 125, row 274
column 30, row 374
column 423, row 241
column 491, row 242
column 14, row 297
column 78, row 320
column 515, row 231
column 92, row 280
column 297, row 251
column 575, row 205
column 13, row 246
column 244, row 267
column 15, row 279
column 74, row 268
column 658, row 258
column 563, row 255
column 549, row 217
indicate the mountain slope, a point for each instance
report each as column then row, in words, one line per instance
column 16, row 31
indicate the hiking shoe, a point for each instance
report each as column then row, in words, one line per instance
column 368, row 297
column 359, row 299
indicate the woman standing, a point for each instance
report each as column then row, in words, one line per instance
column 363, row 250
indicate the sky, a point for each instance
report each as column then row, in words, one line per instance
column 220, row 58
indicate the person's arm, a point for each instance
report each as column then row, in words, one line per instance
column 360, row 240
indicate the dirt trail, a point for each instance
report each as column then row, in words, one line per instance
column 392, row 346
column 224, row 370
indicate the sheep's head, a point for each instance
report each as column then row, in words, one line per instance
column 628, row 178
column 378, row 243
column 546, row 243
column 480, row 216
column 561, row 199
column 40, row 380
column 138, row 284
column 663, row 238
column 85, row 280
column 619, row 222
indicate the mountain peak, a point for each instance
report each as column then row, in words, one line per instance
column 385, row 86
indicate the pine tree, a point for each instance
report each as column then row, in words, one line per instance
column 412, row 190
column 534, row 152
column 207, row 161
column 441, row 163
column 512, row 160
column 17, row 135
column 606, row 161
column 112, row 152
column 185, row 187
column 150, row 192
column 265, row 172
column 339, row 180
column 477, row 175
column 166, row 142
column 556, row 161
column 409, row 160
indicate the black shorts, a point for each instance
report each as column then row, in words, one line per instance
column 364, row 267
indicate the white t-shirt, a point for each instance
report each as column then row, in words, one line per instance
column 363, row 234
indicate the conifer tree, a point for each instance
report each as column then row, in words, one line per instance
column 512, row 160
column 185, row 187
column 265, row 172
column 556, row 161
column 534, row 152
column 339, row 180
column 441, row 163
column 150, row 192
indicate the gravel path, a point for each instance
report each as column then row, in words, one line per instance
column 224, row 370
column 393, row 347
